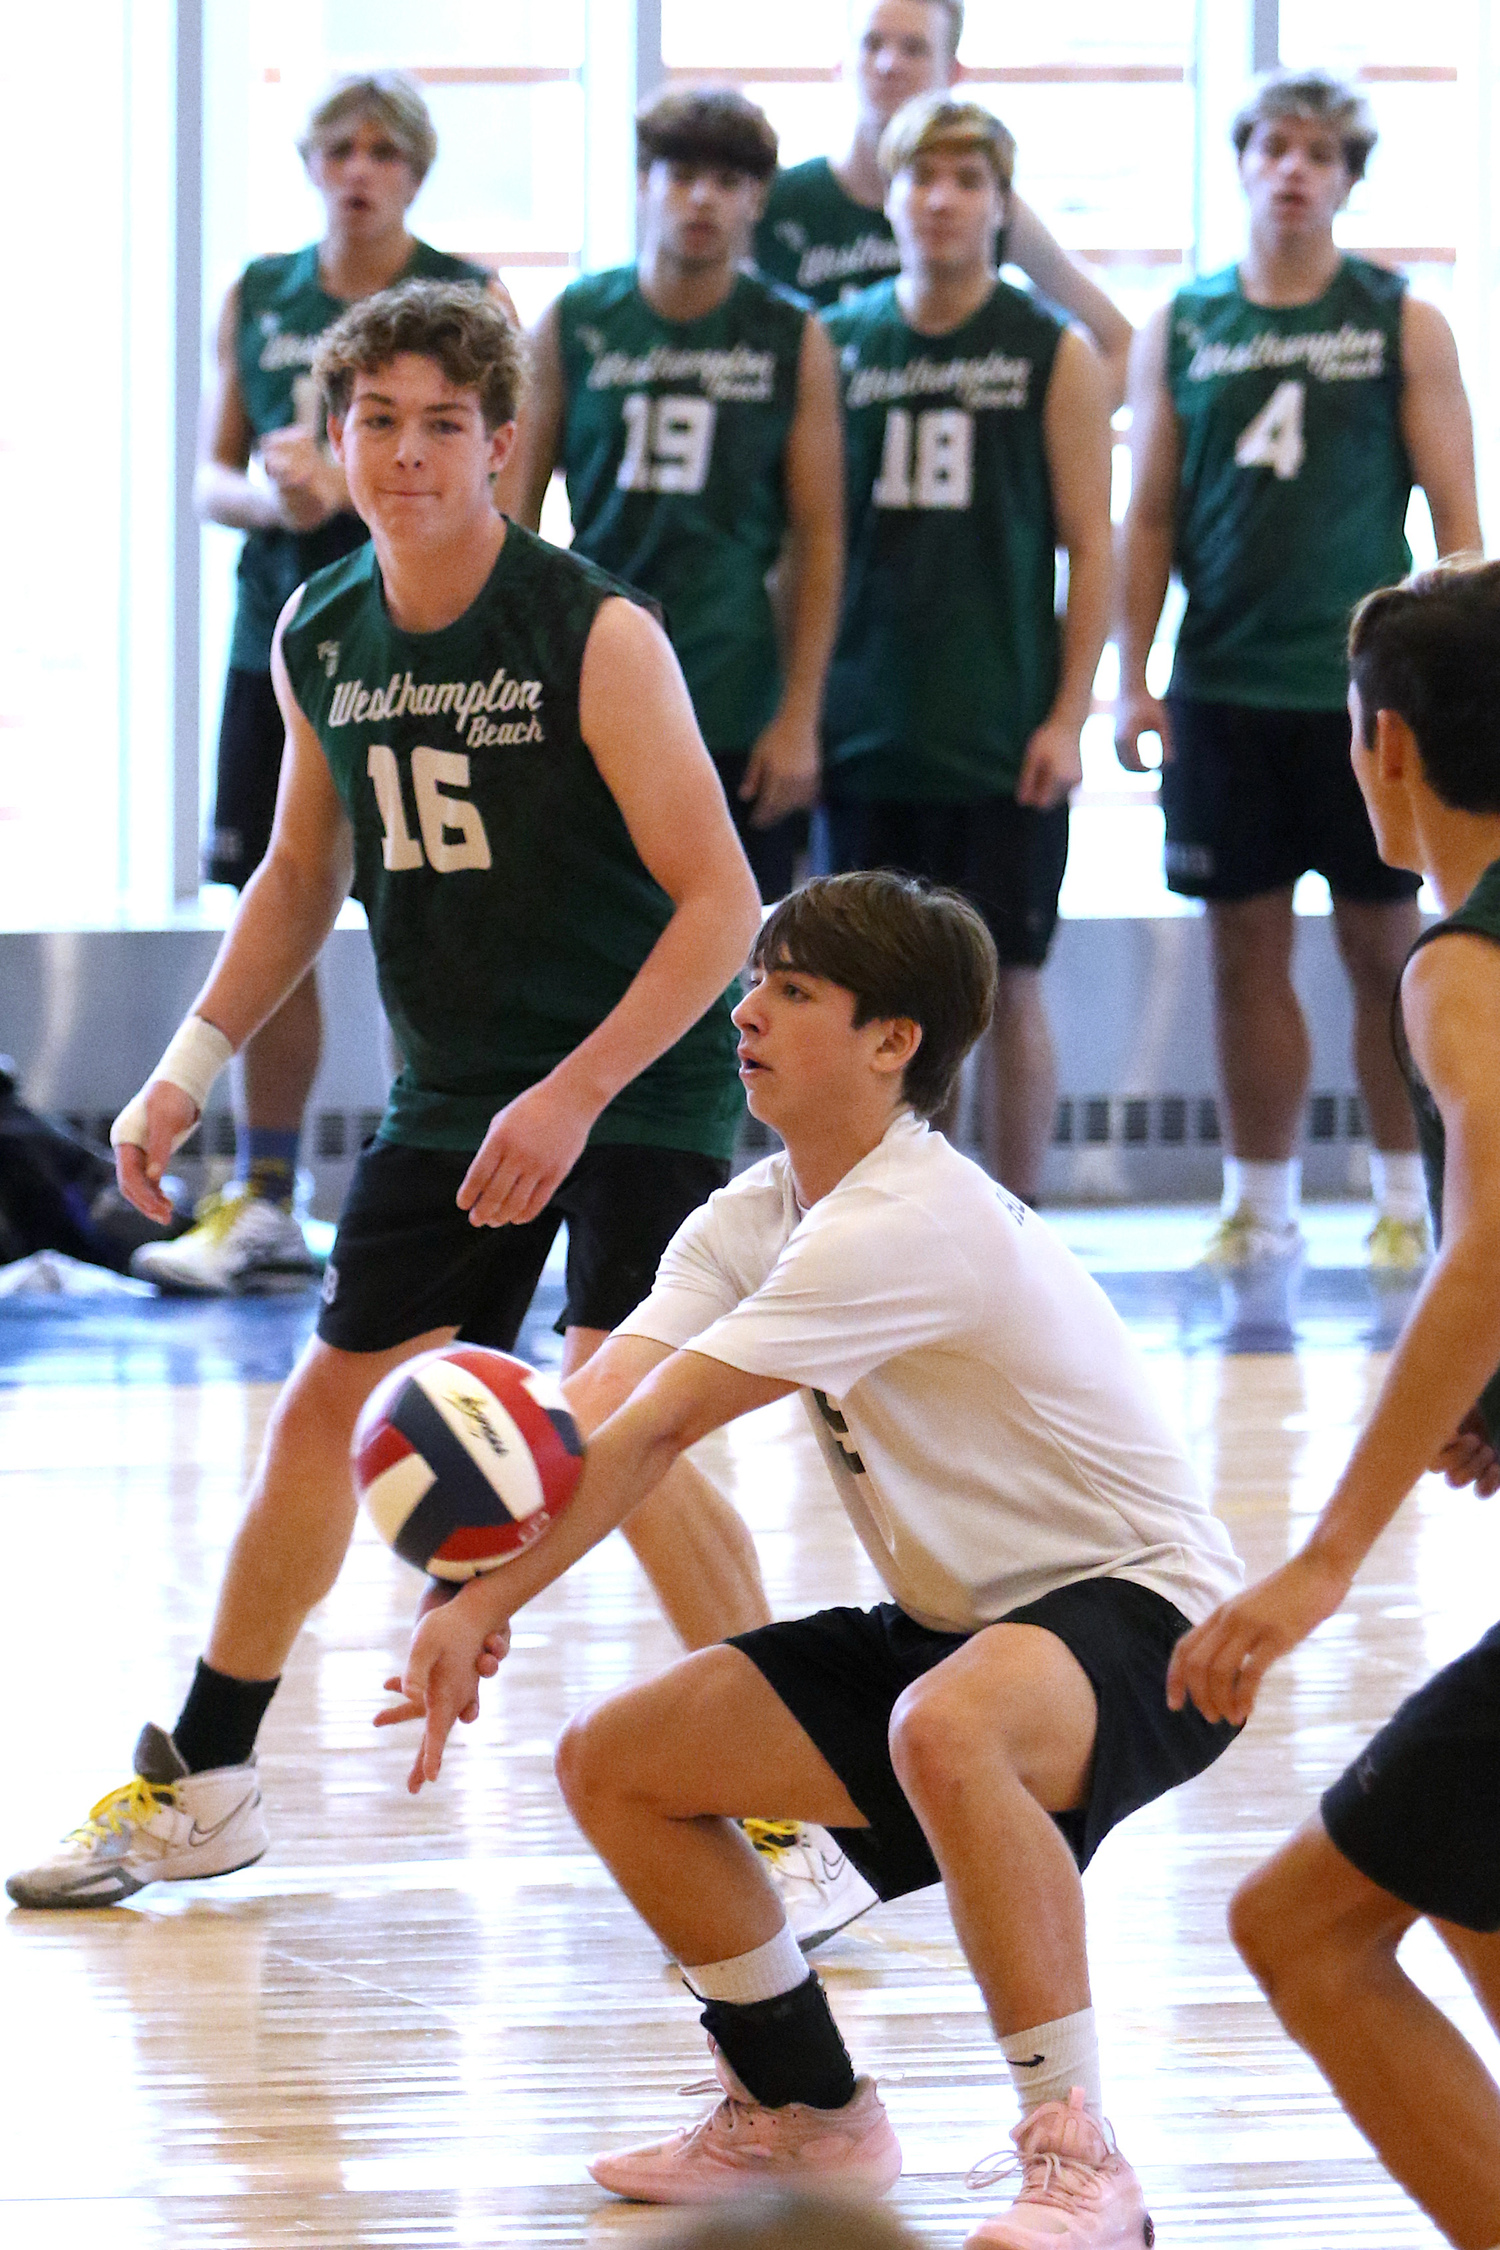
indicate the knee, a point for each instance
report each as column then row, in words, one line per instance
column 1260, row 1920
column 589, row 1767
column 927, row 1744
column 1305, row 1955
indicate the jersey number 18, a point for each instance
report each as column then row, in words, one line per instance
column 927, row 459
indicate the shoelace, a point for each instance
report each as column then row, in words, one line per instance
column 129, row 1806
column 1046, row 2177
column 773, row 1839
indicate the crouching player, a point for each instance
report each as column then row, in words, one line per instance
column 995, row 1442
column 1412, row 1830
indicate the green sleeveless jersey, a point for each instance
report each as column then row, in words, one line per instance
column 1295, row 482
column 814, row 238
column 1480, row 917
column 508, row 907
column 948, row 649
column 284, row 310
column 674, row 439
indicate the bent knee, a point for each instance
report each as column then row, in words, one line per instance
column 580, row 1763
column 927, row 1740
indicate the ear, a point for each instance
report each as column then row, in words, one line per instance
column 336, row 438
column 900, row 1038
column 1397, row 757
column 502, row 446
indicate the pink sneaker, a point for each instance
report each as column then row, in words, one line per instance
column 1076, row 2188
column 741, row 2146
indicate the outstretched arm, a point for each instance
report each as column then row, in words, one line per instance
column 662, row 1402
column 1447, row 1352
column 1036, row 250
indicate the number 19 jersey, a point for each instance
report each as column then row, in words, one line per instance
column 1294, row 484
column 674, row 444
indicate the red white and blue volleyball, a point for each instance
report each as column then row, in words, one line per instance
column 462, row 1457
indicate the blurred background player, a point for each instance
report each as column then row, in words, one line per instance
column 1412, row 1828
column 368, row 146
column 1281, row 410
column 495, row 750
column 694, row 409
column 978, row 442
column 825, row 232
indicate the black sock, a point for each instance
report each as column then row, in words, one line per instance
column 220, row 1719
column 784, row 2050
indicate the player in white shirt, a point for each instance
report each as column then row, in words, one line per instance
column 993, row 1435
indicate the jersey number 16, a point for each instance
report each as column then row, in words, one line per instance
column 452, row 828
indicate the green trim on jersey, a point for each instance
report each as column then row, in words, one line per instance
column 284, row 310
column 948, row 651
column 674, row 446
column 813, row 237
column 1295, row 481
column 1479, row 916
column 508, row 908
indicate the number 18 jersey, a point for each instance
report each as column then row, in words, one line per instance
column 1294, row 485
column 674, row 445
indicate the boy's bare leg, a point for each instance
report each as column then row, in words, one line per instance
column 1264, row 1055
column 1322, row 1939
column 1019, row 1100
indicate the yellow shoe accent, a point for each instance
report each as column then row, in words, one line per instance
column 1240, row 1240
column 1397, row 1245
column 132, row 1805
column 773, row 1839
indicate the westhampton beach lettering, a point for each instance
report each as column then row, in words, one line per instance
column 1341, row 355
column 842, row 261
column 977, row 383
column 467, row 702
column 737, row 374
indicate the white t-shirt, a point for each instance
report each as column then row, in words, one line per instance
column 989, row 1424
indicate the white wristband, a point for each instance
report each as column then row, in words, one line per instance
column 196, row 1052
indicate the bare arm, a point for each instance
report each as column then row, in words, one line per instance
column 522, row 484
column 1438, row 428
column 783, row 768
column 1037, row 251
column 306, row 485
column 1075, row 435
column 638, row 723
column 662, row 1402
column 1445, row 1356
column 285, row 913
column 1146, row 539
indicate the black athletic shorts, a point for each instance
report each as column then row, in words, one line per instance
column 841, row 1671
column 252, row 736
column 772, row 852
column 1418, row 1812
column 1253, row 799
column 406, row 1259
column 1006, row 859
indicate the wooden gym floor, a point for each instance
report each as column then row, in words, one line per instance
column 412, row 2022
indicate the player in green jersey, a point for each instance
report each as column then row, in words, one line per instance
column 1281, row 411
column 266, row 471
column 825, row 232
column 496, row 749
column 694, row 409
column 978, row 442
column 1412, row 1829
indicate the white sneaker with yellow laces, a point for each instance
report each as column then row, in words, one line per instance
column 240, row 1243
column 816, row 1881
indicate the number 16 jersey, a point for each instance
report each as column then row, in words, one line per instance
column 1294, row 484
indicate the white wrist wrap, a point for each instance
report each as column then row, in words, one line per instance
column 196, row 1053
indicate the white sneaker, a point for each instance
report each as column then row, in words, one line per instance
column 165, row 1825
column 1240, row 1240
column 240, row 1242
column 817, row 1883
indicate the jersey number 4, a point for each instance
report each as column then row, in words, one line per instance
column 668, row 443
column 1274, row 439
column 452, row 829
column 927, row 459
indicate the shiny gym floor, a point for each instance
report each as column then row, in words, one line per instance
column 413, row 2021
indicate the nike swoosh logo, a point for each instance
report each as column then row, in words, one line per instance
column 197, row 1835
column 1025, row 2062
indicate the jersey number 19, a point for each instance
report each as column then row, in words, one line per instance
column 668, row 443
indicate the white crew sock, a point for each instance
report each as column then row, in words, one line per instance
column 1048, row 2061
column 1398, row 1185
column 764, row 1974
column 1270, row 1193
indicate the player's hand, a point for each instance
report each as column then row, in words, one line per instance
column 309, row 484
column 451, row 1652
column 782, row 776
column 170, row 1113
column 1136, row 715
column 1221, row 1663
column 1470, row 1458
column 530, row 1148
column 1052, row 766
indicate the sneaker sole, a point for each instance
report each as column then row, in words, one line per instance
column 811, row 1940
column 261, row 1281
column 121, row 1887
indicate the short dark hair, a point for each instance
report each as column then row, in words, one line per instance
column 473, row 339
column 706, row 125
column 1429, row 649
column 903, row 949
column 1318, row 95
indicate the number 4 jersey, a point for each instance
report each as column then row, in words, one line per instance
column 508, row 907
column 1294, row 483
column 674, row 440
